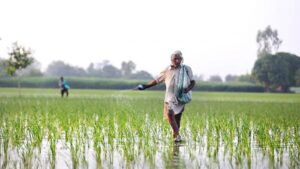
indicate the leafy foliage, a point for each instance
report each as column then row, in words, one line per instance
column 32, row 70
column 2, row 68
column 59, row 68
column 118, row 83
column 142, row 75
column 215, row 78
column 19, row 59
column 102, row 70
column 277, row 71
column 268, row 41
column 127, row 68
column 297, row 77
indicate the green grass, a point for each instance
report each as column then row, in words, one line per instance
column 125, row 129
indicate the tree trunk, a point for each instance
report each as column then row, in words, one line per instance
column 267, row 87
column 19, row 85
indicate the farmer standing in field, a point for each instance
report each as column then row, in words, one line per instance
column 179, row 81
column 64, row 87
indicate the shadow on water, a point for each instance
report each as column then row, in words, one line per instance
column 176, row 161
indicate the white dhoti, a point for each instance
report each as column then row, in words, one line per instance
column 174, row 106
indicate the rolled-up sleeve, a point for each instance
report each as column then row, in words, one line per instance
column 190, row 73
column 161, row 77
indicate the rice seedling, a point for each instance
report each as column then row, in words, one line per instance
column 113, row 129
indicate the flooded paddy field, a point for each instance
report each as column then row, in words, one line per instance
column 126, row 129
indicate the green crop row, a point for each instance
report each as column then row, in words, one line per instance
column 125, row 129
column 101, row 83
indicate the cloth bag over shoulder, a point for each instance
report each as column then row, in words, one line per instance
column 66, row 85
column 183, row 82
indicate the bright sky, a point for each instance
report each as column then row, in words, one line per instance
column 215, row 36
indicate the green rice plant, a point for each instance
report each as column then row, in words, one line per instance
column 36, row 132
column 74, row 149
column 125, row 129
column 52, row 137
column 5, row 132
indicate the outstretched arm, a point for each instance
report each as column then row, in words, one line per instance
column 148, row 85
column 160, row 78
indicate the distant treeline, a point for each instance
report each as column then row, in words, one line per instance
column 276, row 71
column 99, row 70
column 102, row 83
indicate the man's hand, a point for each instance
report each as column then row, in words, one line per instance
column 186, row 90
column 192, row 84
column 146, row 86
column 141, row 87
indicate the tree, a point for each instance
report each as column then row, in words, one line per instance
column 110, row 71
column 268, row 42
column 33, row 69
column 297, row 77
column 127, row 68
column 246, row 78
column 90, row 68
column 277, row 72
column 2, row 68
column 141, row 75
column 19, row 58
column 92, row 71
column 230, row 78
column 59, row 68
column 215, row 78
column 199, row 77
column 96, row 69
column 294, row 65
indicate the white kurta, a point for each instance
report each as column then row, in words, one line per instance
column 169, row 77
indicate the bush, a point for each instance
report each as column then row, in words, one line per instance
column 102, row 83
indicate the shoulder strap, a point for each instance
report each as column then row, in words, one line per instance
column 186, row 70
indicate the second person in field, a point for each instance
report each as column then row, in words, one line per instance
column 64, row 87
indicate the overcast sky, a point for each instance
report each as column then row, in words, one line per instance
column 215, row 36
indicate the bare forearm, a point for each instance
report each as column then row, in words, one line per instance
column 150, row 84
column 191, row 86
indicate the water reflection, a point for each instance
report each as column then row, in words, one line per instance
column 243, row 147
column 176, row 160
